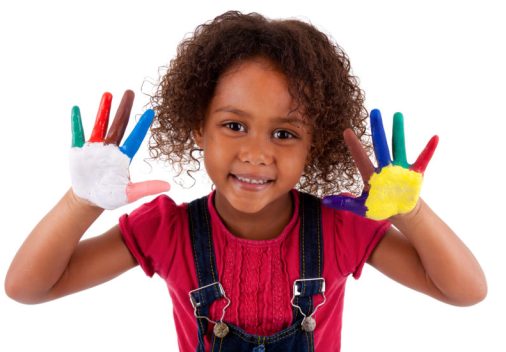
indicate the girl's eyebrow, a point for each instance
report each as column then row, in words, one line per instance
column 232, row 110
column 292, row 120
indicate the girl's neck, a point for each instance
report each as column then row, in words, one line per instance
column 263, row 225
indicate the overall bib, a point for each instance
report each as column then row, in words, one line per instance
column 299, row 336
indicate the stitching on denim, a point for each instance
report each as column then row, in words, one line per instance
column 199, row 321
column 209, row 241
column 266, row 339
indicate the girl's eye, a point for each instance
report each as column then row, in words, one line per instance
column 282, row 134
column 235, row 126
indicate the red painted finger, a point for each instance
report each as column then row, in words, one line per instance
column 364, row 164
column 423, row 159
column 102, row 120
column 120, row 121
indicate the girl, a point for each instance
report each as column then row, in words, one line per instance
column 256, row 265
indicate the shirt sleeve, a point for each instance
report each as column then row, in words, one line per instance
column 148, row 232
column 356, row 238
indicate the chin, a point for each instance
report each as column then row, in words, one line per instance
column 247, row 206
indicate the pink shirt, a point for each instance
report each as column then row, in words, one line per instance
column 257, row 276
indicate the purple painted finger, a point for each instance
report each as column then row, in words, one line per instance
column 349, row 203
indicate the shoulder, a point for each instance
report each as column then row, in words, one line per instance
column 154, row 219
column 155, row 232
column 345, row 223
column 160, row 209
column 160, row 203
column 351, row 238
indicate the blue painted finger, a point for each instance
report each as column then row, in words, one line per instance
column 379, row 139
column 134, row 140
column 349, row 203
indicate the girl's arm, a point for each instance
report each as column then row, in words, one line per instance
column 423, row 253
column 53, row 262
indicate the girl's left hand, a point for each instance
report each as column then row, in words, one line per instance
column 394, row 186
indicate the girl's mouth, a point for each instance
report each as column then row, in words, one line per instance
column 256, row 181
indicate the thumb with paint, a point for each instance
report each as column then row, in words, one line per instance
column 99, row 168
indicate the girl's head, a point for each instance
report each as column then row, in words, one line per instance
column 318, row 78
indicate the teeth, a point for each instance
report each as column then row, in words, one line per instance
column 251, row 180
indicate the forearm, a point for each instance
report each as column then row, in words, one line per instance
column 43, row 258
column 446, row 260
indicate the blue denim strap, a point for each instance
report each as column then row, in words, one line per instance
column 205, row 295
column 205, row 265
column 311, row 254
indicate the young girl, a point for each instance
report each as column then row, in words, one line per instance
column 256, row 265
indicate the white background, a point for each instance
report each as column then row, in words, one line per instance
column 441, row 64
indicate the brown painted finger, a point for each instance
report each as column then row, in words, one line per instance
column 364, row 164
column 119, row 125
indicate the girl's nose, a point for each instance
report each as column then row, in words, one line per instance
column 256, row 151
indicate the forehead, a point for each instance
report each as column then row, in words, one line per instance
column 258, row 70
column 255, row 84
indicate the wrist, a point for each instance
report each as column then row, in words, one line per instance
column 74, row 201
column 409, row 217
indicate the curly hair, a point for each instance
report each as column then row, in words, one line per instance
column 319, row 78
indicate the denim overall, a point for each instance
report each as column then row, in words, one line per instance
column 299, row 336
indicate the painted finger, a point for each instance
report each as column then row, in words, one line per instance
column 340, row 202
column 134, row 140
column 359, row 155
column 139, row 190
column 120, row 122
column 77, row 128
column 423, row 159
column 102, row 120
column 379, row 139
column 398, row 142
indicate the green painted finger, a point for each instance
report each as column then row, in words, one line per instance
column 398, row 142
column 77, row 128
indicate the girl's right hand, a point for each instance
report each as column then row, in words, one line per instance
column 99, row 168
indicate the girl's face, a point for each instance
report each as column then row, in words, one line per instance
column 255, row 145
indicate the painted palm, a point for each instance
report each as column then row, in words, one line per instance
column 393, row 187
column 100, row 167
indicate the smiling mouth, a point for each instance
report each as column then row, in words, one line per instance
column 252, row 181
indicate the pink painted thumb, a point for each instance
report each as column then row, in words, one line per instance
column 138, row 190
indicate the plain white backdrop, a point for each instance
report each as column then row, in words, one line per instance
column 440, row 63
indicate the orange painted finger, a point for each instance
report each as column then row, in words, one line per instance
column 120, row 121
column 102, row 120
column 423, row 159
column 139, row 190
column 364, row 164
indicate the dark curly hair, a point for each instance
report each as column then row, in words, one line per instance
column 319, row 77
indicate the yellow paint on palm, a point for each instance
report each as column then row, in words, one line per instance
column 395, row 190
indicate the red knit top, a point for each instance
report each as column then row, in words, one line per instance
column 257, row 276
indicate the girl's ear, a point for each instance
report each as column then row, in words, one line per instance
column 198, row 137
